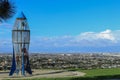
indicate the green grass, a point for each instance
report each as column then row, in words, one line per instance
column 101, row 72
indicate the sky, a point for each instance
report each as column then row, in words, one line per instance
column 67, row 25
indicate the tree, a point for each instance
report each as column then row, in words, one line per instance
column 7, row 10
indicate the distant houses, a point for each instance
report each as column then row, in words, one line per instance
column 64, row 61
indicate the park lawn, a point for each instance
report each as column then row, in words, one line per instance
column 101, row 72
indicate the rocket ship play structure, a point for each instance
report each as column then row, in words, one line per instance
column 21, row 40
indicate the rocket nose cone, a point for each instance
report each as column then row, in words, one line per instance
column 21, row 16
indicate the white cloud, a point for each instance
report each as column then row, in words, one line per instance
column 84, row 41
column 6, row 25
column 88, row 41
column 106, row 35
column 104, row 38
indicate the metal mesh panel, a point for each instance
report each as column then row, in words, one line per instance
column 21, row 36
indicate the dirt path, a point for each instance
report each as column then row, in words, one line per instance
column 43, row 74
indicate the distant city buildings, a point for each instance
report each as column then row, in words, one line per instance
column 64, row 61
